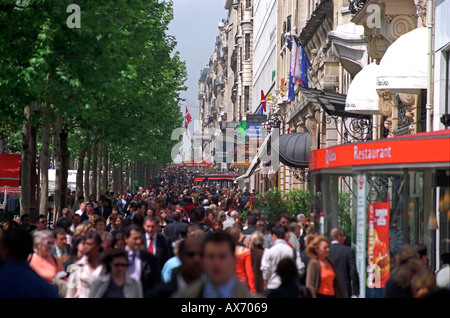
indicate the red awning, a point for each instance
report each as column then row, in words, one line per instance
column 432, row 148
column 221, row 178
column 197, row 179
column 10, row 170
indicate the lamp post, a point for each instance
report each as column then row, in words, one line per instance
column 430, row 26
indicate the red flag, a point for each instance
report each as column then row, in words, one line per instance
column 263, row 100
column 187, row 119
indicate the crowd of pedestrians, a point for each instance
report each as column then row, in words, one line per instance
column 174, row 239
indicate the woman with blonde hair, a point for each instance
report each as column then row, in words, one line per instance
column 221, row 216
column 44, row 264
column 321, row 277
column 82, row 229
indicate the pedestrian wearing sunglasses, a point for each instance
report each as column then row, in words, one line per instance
column 116, row 283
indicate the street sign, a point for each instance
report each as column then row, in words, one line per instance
column 256, row 118
column 253, row 131
column 228, row 124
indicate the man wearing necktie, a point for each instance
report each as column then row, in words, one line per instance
column 142, row 266
column 219, row 265
column 156, row 243
column 103, row 209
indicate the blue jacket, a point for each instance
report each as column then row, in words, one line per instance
column 19, row 280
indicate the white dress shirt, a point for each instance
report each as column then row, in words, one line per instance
column 134, row 268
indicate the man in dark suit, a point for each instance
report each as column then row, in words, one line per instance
column 190, row 254
column 174, row 229
column 156, row 243
column 142, row 265
column 88, row 211
column 102, row 208
column 343, row 258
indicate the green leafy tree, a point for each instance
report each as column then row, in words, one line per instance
column 272, row 204
column 114, row 82
column 299, row 201
column 344, row 213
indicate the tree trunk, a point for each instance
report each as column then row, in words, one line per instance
column 99, row 172
column 25, row 163
column 33, row 168
column 58, row 165
column 87, row 170
column 94, row 169
column 60, row 135
column 121, row 178
column 65, row 156
column 132, row 168
column 105, row 177
column 115, row 180
column 80, row 173
column 45, row 159
column 128, row 176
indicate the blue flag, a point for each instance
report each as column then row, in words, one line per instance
column 305, row 64
column 260, row 110
column 291, row 89
column 294, row 69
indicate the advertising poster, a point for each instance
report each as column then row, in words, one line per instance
column 378, row 243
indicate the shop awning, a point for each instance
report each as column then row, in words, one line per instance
column 10, row 170
column 263, row 149
column 430, row 149
column 199, row 179
column 225, row 178
column 294, row 149
column 362, row 96
column 404, row 66
column 332, row 103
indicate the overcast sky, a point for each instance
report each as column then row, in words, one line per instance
column 195, row 26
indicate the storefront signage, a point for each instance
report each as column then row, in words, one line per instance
column 378, row 244
column 367, row 153
column 254, row 131
column 197, row 164
column 418, row 148
column 381, row 82
column 330, row 155
column 256, row 118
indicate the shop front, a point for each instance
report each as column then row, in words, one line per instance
column 400, row 193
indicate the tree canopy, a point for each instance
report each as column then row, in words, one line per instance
column 116, row 79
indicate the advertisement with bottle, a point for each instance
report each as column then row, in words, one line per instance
column 378, row 243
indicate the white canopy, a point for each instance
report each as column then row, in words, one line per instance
column 362, row 96
column 404, row 68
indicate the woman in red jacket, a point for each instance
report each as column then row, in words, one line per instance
column 244, row 269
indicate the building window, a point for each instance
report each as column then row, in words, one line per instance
column 247, row 98
column 288, row 23
column 247, row 46
column 248, row 3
